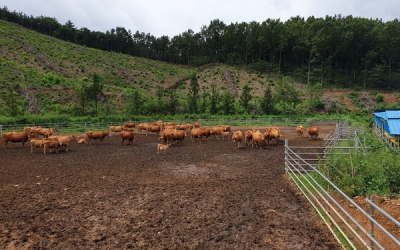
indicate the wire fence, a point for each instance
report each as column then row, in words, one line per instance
column 80, row 127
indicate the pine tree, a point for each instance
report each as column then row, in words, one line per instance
column 214, row 99
column 267, row 104
column 193, row 94
column 228, row 101
column 245, row 98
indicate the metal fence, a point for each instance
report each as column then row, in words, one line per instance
column 325, row 196
column 77, row 127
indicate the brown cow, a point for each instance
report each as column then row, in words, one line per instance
column 248, row 137
column 143, row 126
column 258, row 138
column 50, row 143
column 153, row 128
column 45, row 132
column 163, row 134
column 129, row 125
column 32, row 130
column 64, row 140
column 175, row 135
column 169, row 124
column 299, row 131
column 196, row 134
column 128, row 136
column 116, row 129
column 312, row 133
column 225, row 128
column 169, row 127
column 185, row 126
column 226, row 134
column 129, row 129
column 97, row 135
column 217, row 131
column 236, row 138
column 272, row 134
column 15, row 137
column 35, row 143
column 206, row 132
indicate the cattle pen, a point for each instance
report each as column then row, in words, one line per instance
column 196, row 196
column 305, row 165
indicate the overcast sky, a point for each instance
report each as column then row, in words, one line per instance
column 172, row 17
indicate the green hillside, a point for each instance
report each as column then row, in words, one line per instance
column 43, row 71
column 42, row 64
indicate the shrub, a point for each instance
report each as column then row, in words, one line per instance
column 379, row 98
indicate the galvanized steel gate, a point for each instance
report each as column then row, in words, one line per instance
column 300, row 162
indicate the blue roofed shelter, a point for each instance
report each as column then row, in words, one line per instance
column 387, row 124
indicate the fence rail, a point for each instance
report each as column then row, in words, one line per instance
column 319, row 191
column 74, row 127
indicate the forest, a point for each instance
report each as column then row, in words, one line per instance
column 345, row 51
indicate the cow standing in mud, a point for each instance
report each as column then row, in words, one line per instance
column 15, row 137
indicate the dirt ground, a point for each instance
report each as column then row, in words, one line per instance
column 196, row 196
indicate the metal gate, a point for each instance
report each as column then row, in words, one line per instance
column 301, row 164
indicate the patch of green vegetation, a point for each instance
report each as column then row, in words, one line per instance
column 365, row 172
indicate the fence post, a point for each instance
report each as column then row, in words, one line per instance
column 371, row 231
column 286, row 155
column 329, row 186
column 329, row 182
column 356, row 141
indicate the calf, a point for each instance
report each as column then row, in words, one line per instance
column 82, row 141
column 225, row 134
column 161, row 147
column 299, row 131
column 35, row 143
column 49, row 144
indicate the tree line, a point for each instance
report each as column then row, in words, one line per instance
column 284, row 99
column 89, row 99
column 343, row 51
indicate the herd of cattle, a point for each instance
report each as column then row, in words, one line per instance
column 168, row 133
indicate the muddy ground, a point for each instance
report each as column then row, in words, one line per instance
column 196, row 196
